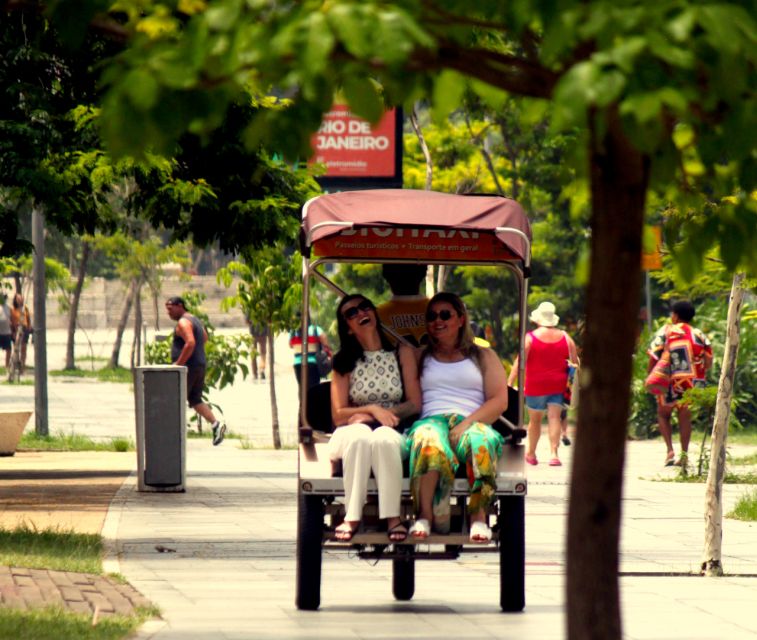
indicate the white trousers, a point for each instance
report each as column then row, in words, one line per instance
column 361, row 450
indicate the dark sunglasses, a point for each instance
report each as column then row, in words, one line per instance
column 352, row 312
column 444, row 314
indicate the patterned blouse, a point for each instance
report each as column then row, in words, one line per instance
column 376, row 379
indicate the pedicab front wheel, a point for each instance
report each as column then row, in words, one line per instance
column 309, row 552
column 512, row 553
column 403, row 575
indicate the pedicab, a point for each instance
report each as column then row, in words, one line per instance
column 408, row 226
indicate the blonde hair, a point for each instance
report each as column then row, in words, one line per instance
column 465, row 338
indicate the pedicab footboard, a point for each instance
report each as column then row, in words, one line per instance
column 316, row 478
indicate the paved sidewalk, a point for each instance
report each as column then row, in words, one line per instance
column 231, row 572
column 219, row 560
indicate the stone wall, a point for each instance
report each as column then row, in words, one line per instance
column 101, row 302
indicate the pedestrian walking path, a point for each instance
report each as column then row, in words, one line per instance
column 219, row 560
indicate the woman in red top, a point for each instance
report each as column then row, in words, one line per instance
column 548, row 351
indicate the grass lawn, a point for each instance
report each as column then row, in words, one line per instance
column 730, row 478
column 746, row 507
column 59, row 550
column 58, row 624
column 745, row 460
column 55, row 549
column 72, row 442
column 106, row 374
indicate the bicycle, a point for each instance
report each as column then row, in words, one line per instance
column 14, row 368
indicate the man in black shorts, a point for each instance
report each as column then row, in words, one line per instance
column 188, row 349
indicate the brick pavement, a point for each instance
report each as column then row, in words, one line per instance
column 22, row 588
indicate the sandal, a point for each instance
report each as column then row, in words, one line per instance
column 397, row 533
column 421, row 529
column 670, row 459
column 344, row 532
column 531, row 459
column 555, row 462
column 480, row 532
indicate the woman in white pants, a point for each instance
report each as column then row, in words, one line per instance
column 369, row 382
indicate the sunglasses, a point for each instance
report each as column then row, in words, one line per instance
column 444, row 314
column 352, row 312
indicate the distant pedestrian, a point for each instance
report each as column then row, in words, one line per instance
column 259, row 333
column 690, row 356
column 548, row 353
column 188, row 349
column 20, row 317
column 316, row 340
column 5, row 329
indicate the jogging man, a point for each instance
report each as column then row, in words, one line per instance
column 188, row 349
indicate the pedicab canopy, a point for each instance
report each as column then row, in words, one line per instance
column 417, row 225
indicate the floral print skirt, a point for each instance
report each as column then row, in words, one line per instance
column 430, row 450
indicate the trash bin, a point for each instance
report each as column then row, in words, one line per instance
column 160, row 394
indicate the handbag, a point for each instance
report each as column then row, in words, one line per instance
column 658, row 380
column 323, row 361
column 567, row 395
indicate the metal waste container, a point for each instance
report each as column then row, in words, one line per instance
column 160, row 394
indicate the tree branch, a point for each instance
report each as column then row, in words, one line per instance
column 503, row 71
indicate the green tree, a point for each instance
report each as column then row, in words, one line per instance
column 662, row 94
column 269, row 292
column 511, row 151
column 139, row 257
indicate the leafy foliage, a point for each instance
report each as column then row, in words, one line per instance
column 204, row 187
column 269, row 290
column 678, row 73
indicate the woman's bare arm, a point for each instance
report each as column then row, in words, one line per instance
column 342, row 412
column 410, row 383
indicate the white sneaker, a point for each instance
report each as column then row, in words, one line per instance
column 219, row 431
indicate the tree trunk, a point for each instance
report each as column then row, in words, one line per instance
column 619, row 177
column 713, row 503
column 497, row 333
column 125, row 311
column 480, row 141
column 73, row 312
column 156, row 310
column 441, row 277
column 424, row 148
column 136, row 343
column 272, row 387
column 430, row 282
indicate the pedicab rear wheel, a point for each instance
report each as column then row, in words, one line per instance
column 309, row 552
column 403, row 573
column 512, row 553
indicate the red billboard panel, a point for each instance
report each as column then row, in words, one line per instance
column 351, row 147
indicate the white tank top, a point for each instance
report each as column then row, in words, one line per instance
column 451, row 387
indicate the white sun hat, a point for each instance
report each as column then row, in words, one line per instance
column 544, row 315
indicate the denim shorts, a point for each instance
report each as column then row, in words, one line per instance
column 539, row 403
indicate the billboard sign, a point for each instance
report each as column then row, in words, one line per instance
column 357, row 154
column 426, row 244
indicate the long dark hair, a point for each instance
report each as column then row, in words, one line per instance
column 464, row 342
column 350, row 349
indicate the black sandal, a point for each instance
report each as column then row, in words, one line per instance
column 398, row 533
column 345, row 533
